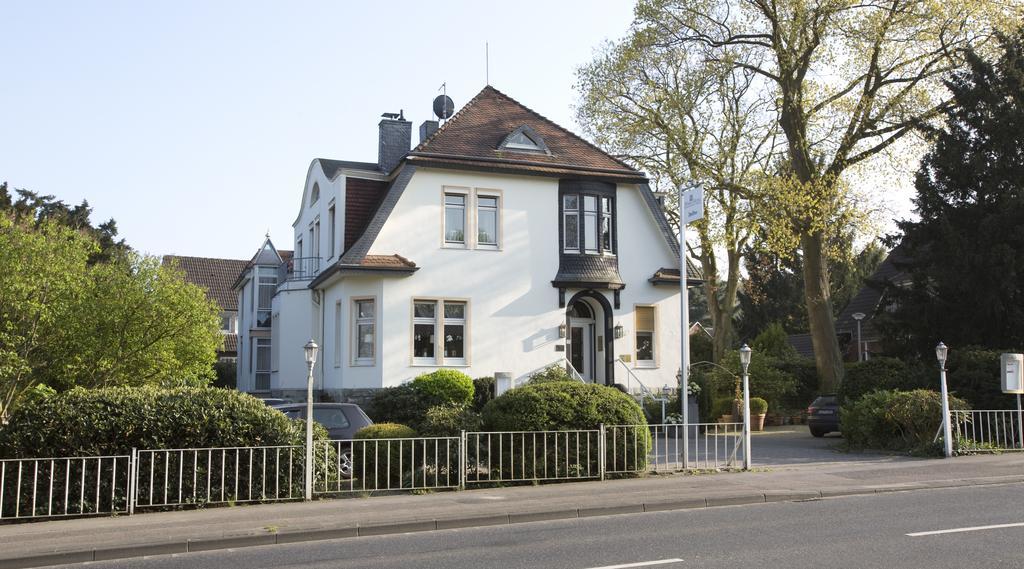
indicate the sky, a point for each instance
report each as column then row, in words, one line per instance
column 193, row 123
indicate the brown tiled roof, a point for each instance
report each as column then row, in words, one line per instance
column 230, row 343
column 474, row 134
column 396, row 261
column 361, row 200
column 214, row 275
column 693, row 273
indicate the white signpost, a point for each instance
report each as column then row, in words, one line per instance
column 1011, row 368
column 691, row 208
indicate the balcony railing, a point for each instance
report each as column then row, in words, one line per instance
column 298, row 269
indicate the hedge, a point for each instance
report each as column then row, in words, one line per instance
column 895, row 420
column 408, row 404
column 444, row 386
column 878, row 373
column 113, row 420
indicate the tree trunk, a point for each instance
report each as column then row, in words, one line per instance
column 817, row 294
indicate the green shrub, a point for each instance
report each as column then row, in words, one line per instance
column 402, row 404
column 758, row 406
column 973, row 375
column 894, row 420
column 444, row 386
column 449, row 419
column 483, row 391
column 768, row 377
column 722, row 406
column 877, row 374
column 111, row 421
column 552, row 373
column 773, row 341
column 567, row 406
column 385, row 431
column 805, row 387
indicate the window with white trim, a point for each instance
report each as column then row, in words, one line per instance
column 364, row 331
column 645, row 336
column 455, row 219
column 262, row 356
column 332, row 231
column 439, row 332
column 589, row 224
column 487, row 221
column 571, row 222
column 606, row 225
column 228, row 322
column 267, row 284
column 314, row 194
column 337, row 333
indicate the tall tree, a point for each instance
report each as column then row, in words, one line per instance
column 850, row 79
column 966, row 252
column 682, row 118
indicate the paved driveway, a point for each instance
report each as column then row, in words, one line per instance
column 793, row 444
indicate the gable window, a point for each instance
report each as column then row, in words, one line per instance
column 439, row 332
column 314, row 194
column 588, row 224
column 455, row 219
column 645, row 345
column 487, row 221
column 524, row 139
column 331, row 231
column 364, row 331
column 571, row 222
column 520, row 141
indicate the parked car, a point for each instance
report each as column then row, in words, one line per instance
column 273, row 401
column 823, row 415
column 341, row 420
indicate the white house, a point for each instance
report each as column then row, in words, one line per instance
column 502, row 243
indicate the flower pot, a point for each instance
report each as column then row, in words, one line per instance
column 797, row 419
column 757, row 422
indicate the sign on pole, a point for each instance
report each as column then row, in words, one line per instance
column 1013, row 373
column 693, row 203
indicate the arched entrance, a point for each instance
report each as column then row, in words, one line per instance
column 589, row 339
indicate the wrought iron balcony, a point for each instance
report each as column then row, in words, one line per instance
column 298, row 269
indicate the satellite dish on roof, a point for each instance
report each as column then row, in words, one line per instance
column 444, row 107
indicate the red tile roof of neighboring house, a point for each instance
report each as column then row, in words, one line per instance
column 216, row 276
column 474, row 134
column 396, row 261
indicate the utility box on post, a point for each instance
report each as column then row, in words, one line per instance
column 1011, row 368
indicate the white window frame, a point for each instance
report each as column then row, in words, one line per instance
column 332, row 232
column 438, row 322
column 566, row 214
column 496, row 195
column 257, row 344
column 655, row 352
column 606, row 215
column 465, row 194
column 337, row 333
column 232, row 323
column 356, row 322
column 260, row 283
column 298, row 248
column 591, row 229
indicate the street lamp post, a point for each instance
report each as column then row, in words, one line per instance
column 941, row 351
column 858, row 316
column 310, row 349
column 745, row 362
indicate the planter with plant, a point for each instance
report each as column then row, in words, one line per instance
column 758, row 408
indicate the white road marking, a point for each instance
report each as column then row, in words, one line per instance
column 640, row 564
column 961, row 530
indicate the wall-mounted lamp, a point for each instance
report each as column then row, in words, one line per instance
column 561, row 330
column 619, row 331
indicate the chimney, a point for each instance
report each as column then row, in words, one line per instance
column 427, row 129
column 395, row 139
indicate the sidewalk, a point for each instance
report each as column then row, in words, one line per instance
column 68, row 541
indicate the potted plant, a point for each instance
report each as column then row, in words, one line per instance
column 758, row 408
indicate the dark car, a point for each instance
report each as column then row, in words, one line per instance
column 273, row 401
column 341, row 420
column 823, row 415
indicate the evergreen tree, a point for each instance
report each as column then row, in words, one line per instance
column 966, row 253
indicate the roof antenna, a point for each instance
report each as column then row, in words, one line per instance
column 487, row 65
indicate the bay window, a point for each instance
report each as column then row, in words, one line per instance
column 588, row 224
column 571, row 222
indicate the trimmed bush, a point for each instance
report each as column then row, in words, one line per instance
column 449, row 419
column 110, row 421
column 758, row 406
column 974, row 375
column 876, row 374
column 385, row 431
column 552, row 373
column 895, row 420
column 483, row 391
column 444, row 386
column 401, row 404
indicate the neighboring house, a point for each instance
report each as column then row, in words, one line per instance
column 869, row 301
column 216, row 277
column 502, row 243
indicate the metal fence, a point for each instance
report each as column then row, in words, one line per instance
column 178, row 477
column 988, row 430
column 708, row 446
column 369, row 465
column 57, row 487
column 520, row 456
column 166, row 478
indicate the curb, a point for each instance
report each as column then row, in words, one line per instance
column 319, row 534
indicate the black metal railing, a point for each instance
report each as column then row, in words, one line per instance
column 298, row 269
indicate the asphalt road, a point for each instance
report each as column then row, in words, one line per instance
column 850, row 532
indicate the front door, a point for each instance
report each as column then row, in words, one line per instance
column 581, row 347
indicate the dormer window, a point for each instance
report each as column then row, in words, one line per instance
column 524, row 139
